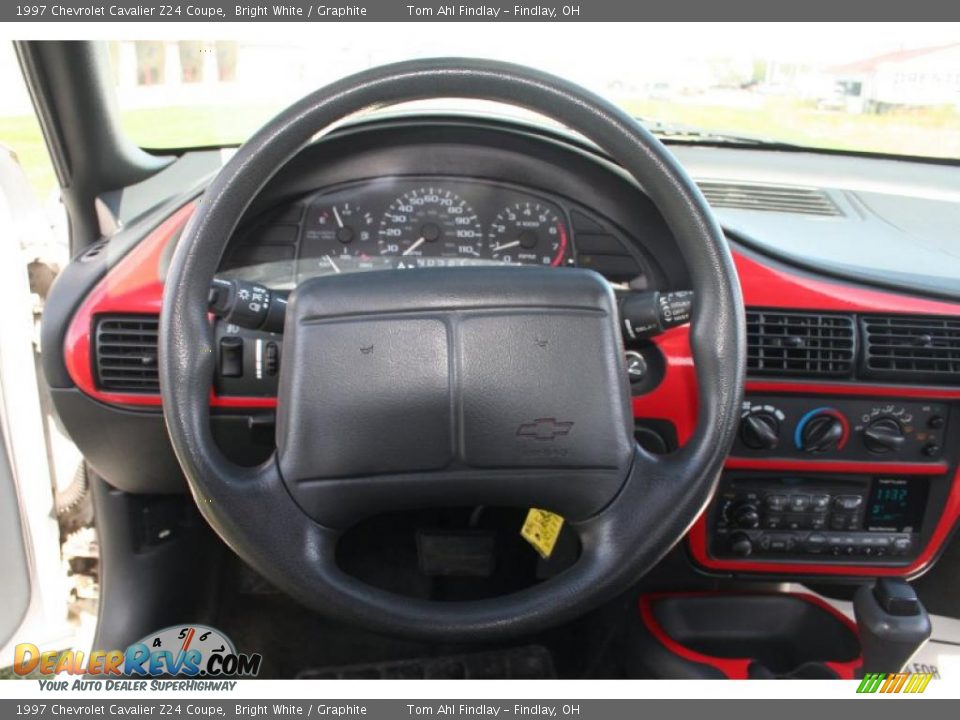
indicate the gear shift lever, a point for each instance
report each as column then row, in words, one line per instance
column 893, row 624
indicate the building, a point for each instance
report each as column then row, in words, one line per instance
column 922, row 77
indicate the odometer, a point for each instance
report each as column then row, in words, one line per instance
column 430, row 222
column 528, row 233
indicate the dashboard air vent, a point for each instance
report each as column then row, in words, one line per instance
column 797, row 344
column 912, row 349
column 769, row 198
column 125, row 353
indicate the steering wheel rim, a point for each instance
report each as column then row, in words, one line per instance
column 253, row 509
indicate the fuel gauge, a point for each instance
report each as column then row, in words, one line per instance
column 338, row 230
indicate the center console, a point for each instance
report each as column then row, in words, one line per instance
column 832, row 484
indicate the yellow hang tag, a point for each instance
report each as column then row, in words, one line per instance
column 541, row 529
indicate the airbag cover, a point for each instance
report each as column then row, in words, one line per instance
column 426, row 370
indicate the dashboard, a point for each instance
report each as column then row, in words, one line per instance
column 847, row 460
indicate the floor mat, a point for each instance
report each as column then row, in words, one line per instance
column 532, row 662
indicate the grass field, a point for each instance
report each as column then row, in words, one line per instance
column 928, row 132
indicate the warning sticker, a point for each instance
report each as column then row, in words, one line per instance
column 541, row 529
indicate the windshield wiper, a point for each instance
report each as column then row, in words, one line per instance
column 691, row 133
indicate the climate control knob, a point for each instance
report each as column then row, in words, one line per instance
column 821, row 431
column 760, row 431
column 883, row 435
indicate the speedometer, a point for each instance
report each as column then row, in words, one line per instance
column 528, row 233
column 430, row 222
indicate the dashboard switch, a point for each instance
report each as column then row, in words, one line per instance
column 231, row 357
column 271, row 358
column 645, row 314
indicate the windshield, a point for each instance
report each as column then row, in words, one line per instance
column 884, row 88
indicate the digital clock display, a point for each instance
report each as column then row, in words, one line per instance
column 896, row 504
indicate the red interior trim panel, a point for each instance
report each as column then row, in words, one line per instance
column 689, row 632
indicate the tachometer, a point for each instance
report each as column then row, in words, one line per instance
column 430, row 222
column 528, row 233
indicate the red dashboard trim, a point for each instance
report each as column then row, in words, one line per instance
column 772, row 287
column 836, row 466
column 886, row 391
column 133, row 285
column 676, row 397
column 736, row 668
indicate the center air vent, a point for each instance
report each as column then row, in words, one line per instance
column 799, row 344
column 125, row 353
column 912, row 349
column 769, row 198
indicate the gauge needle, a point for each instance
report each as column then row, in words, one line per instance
column 336, row 216
column 413, row 247
column 498, row 248
column 332, row 263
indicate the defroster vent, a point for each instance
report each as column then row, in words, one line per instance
column 125, row 353
column 912, row 349
column 793, row 344
column 769, row 198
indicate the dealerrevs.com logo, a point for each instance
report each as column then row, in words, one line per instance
column 180, row 651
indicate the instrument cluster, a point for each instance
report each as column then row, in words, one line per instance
column 415, row 222
column 433, row 222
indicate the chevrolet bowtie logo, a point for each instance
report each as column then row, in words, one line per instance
column 544, row 429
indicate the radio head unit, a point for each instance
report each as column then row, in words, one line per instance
column 854, row 519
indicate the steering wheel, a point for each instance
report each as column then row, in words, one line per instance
column 451, row 387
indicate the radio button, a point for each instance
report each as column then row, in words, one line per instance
column 797, row 522
column 901, row 545
column 848, row 502
column 799, row 503
column 776, row 502
column 820, row 502
column 781, row 543
column 816, row 544
column 773, row 522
